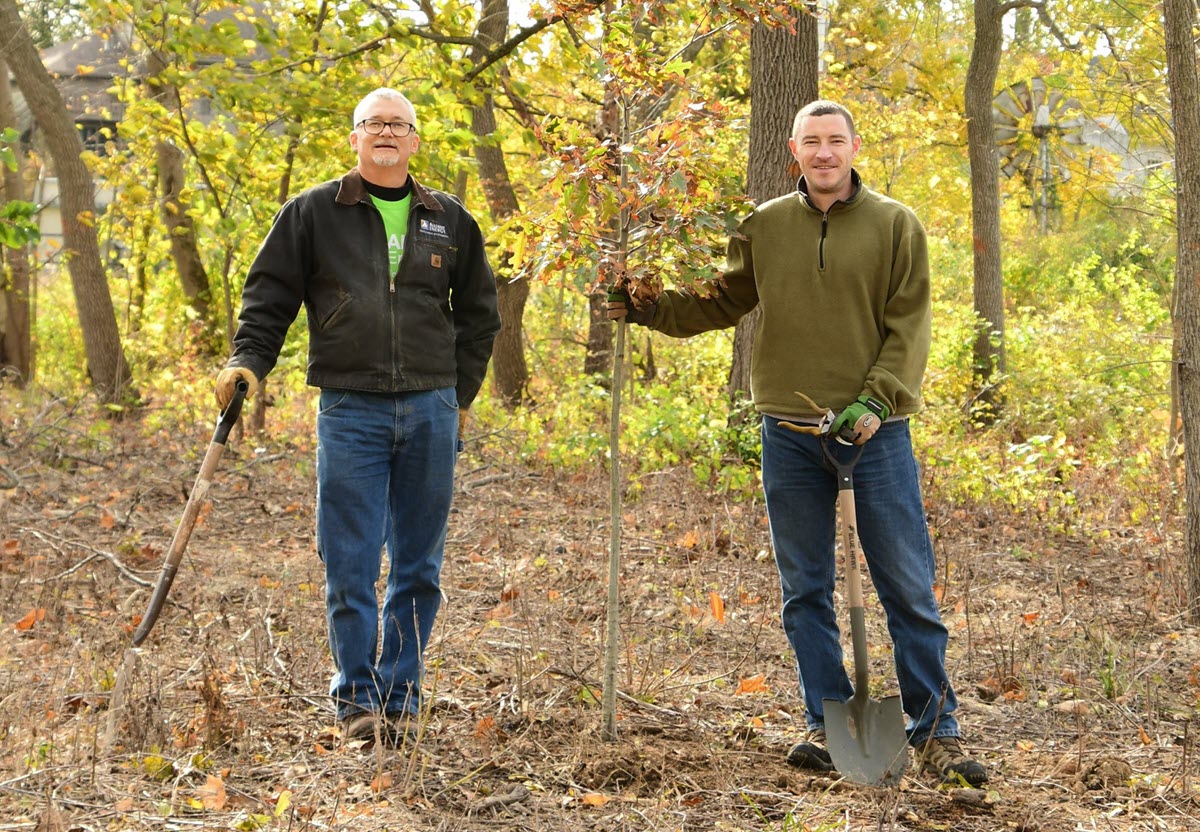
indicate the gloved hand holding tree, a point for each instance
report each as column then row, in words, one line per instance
column 633, row 298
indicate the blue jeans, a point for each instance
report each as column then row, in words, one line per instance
column 801, row 494
column 385, row 475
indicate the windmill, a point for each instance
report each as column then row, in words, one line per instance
column 1036, row 128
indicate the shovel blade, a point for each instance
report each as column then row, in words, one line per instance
column 866, row 739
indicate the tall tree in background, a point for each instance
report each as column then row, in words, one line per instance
column 16, row 311
column 985, row 202
column 784, row 69
column 1180, row 20
column 107, row 367
column 193, row 277
column 510, row 373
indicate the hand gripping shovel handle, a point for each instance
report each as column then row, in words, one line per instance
column 191, row 511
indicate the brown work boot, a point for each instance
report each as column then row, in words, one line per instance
column 400, row 728
column 811, row 753
column 362, row 726
column 944, row 756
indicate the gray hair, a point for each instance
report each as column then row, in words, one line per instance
column 382, row 92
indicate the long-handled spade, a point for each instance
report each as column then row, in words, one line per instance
column 866, row 737
column 171, row 561
column 191, row 512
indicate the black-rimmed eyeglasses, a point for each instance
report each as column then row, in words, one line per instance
column 374, row 126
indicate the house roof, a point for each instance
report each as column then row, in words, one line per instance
column 85, row 68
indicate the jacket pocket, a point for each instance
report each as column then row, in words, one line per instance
column 327, row 318
column 431, row 263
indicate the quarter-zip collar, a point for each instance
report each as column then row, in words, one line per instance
column 855, row 181
column 352, row 189
column 802, row 190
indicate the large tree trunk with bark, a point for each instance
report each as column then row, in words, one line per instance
column 193, row 278
column 985, row 207
column 510, row 374
column 783, row 78
column 107, row 367
column 16, row 318
column 1180, row 18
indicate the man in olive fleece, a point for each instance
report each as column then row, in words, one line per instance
column 401, row 316
column 842, row 276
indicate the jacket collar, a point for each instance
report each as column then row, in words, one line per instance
column 856, row 187
column 352, row 189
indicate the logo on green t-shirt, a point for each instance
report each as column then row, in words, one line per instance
column 395, row 225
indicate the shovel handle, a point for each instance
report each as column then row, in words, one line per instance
column 852, row 552
column 191, row 512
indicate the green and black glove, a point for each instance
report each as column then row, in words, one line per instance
column 858, row 422
column 620, row 306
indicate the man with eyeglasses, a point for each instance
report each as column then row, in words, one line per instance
column 401, row 307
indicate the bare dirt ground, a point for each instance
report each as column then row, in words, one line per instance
column 1077, row 675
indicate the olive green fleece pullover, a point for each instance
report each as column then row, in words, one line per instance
column 844, row 296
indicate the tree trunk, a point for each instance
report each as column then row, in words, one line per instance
column 193, row 278
column 192, row 275
column 1179, row 19
column 985, row 207
column 598, row 359
column 107, row 367
column 16, row 342
column 510, row 374
column 783, row 78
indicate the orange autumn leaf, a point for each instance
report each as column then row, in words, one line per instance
column 11, row 547
column 212, row 794
column 107, row 521
column 717, row 606
column 753, row 684
column 485, row 727
column 32, row 617
column 382, row 781
column 689, row 540
column 1030, row 617
column 1144, row 737
column 596, row 799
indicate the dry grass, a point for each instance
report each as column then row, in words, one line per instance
column 1077, row 676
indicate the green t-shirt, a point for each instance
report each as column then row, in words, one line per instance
column 395, row 224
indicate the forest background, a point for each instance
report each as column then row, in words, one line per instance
column 592, row 140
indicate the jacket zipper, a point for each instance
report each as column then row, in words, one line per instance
column 821, row 245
